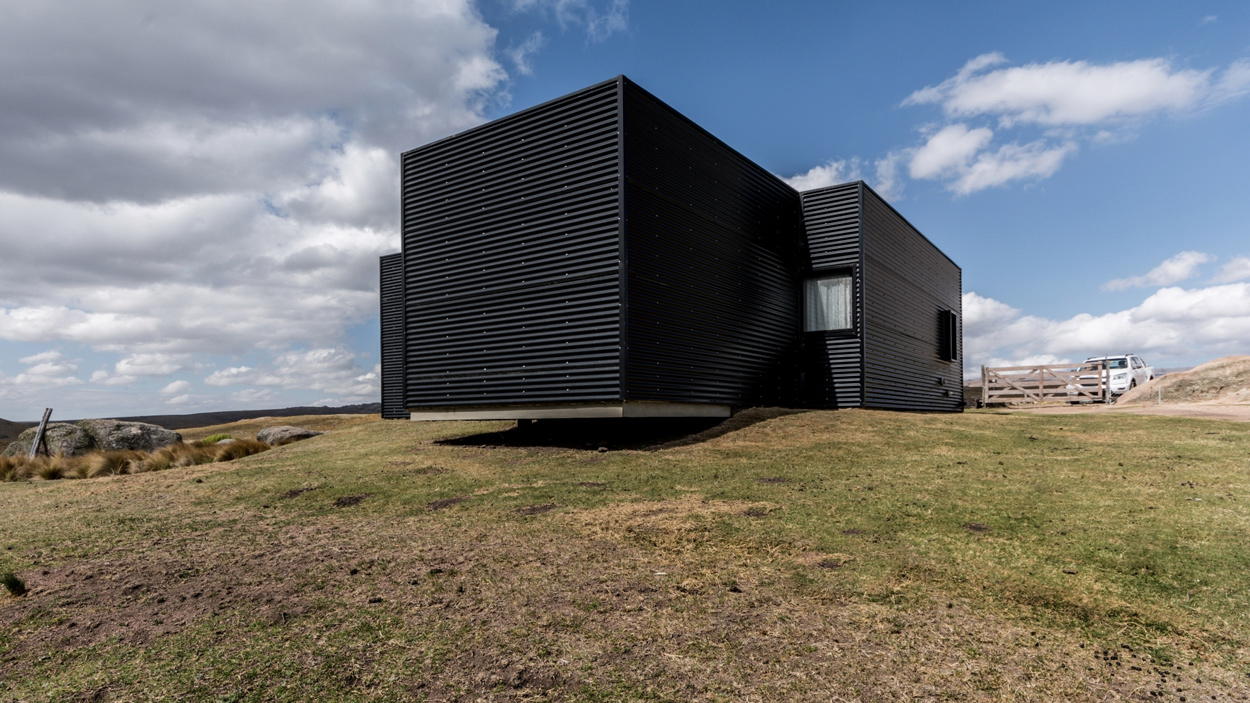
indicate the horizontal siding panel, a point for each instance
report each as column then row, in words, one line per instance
column 391, row 297
column 512, row 258
column 711, row 256
column 832, row 363
column 908, row 281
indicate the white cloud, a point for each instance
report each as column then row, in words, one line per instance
column 1066, row 92
column 1233, row 84
column 600, row 20
column 253, row 397
column 44, row 370
column 522, row 53
column 44, row 357
column 831, row 173
column 1176, row 269
column 1238, row 269
column 176, row 388
column 1011, row 162
column 151, row 364
column 104, row 378
column 1069, row 101
column 949, row 150
column 888, row 184
column 1192, row 324
column 231, row 376
column 838, row 171
column 186, row 179
column 332, row 370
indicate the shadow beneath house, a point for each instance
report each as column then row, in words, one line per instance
column 646, row 434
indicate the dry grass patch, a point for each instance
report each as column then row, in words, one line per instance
column 249, row 428
column 856, row 579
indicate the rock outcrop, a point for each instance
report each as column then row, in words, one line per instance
column 87, row 435
column 62, row 438
column 115, row 435
column 284, row 433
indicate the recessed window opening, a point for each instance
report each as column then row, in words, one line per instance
column 828, row 303
column 948, row 337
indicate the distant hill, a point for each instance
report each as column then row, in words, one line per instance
column 1224, row 380
column 10, row 430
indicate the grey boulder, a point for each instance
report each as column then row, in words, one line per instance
column 62, row 438
column 284, row 433
column 114, row 435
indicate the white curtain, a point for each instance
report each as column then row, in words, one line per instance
column 827, row 304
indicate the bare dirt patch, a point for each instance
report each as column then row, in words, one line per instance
column 1203, row 411
column 349, row 501
column 553, row 615
column 445, row 502
column 977, row 527
column 668, row 517
column 536, row 509
column 297, row 492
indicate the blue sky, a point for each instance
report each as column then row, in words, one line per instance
column 193, row 196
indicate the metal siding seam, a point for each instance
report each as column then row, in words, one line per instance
column 512, row 232
column 862, row 303
column 623, row 246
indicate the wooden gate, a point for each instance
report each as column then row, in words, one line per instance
column 1051, row 382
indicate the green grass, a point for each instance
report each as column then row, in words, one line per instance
column 983, row 556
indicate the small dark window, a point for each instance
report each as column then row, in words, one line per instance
column 828, row 303
column 948, row 335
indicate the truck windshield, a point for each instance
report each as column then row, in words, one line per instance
column 1117, row 363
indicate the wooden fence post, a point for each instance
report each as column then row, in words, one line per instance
column 39, row 438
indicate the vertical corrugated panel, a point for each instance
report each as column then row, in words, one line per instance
column 832, row 361
column 711, row 243
column 907, row 282
column 512, row 258
column 391, row 296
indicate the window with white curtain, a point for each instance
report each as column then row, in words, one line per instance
column 828, row 303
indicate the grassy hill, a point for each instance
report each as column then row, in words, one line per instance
column 1223, row 380
column 852, row 555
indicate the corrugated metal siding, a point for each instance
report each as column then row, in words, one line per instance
column 711, row 242
column 832, row 361
column 512, row 258
column 907, row 281
column 391, row 296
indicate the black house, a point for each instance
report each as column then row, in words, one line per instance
column 600, row 255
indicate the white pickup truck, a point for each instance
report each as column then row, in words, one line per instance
column 1126, row 371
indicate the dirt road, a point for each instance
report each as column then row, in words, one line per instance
column 1208, row 411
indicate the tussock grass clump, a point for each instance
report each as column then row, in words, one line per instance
column 12, row 469
column 13, row 584
column 51, row 468
column 113, row 463
column 117, row 463
column 239, row 449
